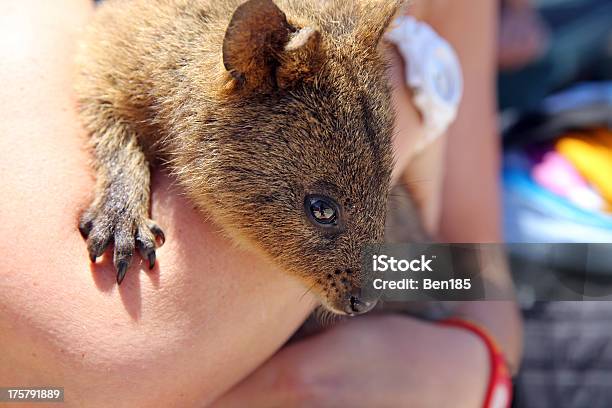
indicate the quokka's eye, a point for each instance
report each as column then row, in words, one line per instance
column 322, row 210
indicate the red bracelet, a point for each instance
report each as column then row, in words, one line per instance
column 499, row 390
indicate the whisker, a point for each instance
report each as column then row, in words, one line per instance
column 327, row 318
column 412, row 182
column 307, row 291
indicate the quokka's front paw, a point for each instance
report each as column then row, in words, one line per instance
column 101, row 224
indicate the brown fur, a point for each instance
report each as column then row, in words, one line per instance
column 251, row 112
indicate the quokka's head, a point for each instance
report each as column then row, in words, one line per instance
column 306, row 151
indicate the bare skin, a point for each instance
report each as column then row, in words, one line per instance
column 186, row 332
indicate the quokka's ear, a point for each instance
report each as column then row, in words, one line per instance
column 376, row 15
column 261, row 50
column 300, row 58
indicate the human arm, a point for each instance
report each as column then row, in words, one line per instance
column 177, row 336
column 470, row 208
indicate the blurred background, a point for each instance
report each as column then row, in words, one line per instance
column 555, row 101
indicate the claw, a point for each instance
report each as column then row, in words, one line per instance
column 151, row 259
column 84, row 230
column 159, row 234
column 85, row 225
column 121, row 270
column 146, row 247
column 92, row 258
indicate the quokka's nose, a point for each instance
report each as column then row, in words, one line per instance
column 356, row 304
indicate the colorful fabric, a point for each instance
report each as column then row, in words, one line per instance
column 591, row 154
